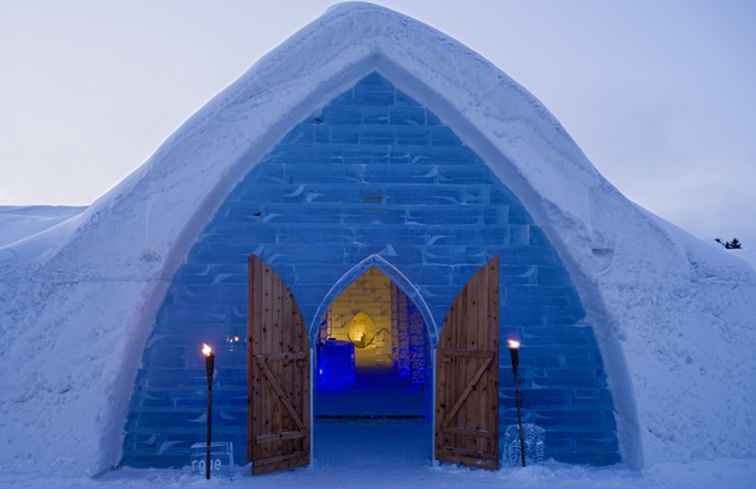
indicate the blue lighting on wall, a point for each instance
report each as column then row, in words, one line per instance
column 336, row 365
column 372, row 173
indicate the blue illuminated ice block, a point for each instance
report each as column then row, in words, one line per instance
column 336, row 367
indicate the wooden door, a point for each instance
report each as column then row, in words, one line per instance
column 467, row 378
column 279, row 375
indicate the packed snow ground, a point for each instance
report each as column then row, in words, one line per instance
column 394, row 455
column 718, row 474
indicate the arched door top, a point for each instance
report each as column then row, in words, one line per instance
column 396, row 276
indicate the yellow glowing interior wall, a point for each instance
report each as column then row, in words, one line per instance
column 369, row 295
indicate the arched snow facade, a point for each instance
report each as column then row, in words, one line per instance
column 372, row 177
column 672, row 315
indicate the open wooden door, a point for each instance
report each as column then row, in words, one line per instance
column 279, row 375
column 467, row 377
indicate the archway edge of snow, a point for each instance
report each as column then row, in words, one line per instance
column 80, row 298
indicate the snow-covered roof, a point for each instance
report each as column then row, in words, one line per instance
column 20, row 222
column 77, row 301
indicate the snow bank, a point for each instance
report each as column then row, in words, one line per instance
column 748, row 254
column 77, row 300
column 724, row 473
column 18, row 222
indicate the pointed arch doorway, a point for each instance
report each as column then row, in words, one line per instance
column 463, row 369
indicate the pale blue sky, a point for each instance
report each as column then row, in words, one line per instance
column 660, row 95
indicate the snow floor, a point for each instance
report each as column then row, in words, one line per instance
column 375, row 393
column 366, row 455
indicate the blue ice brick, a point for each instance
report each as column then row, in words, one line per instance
column 553, row 276
column 454, row 156
column 500, row 195
column 302, row 253
column 582, row 357
column 523, row 315
column 410, row 155
column 374, row 215
column 545, row 398
column 453, row 215
column 338, row 115
column 374, row 81
column 310, row 293
column 374, row 98
column 475, row 235
column 302, row 214
column 268, row 172
column 557, row 442
column 574, row 377
column 365, row 154
column 320, row 202
column 380, row 135
column 215, row 294
column 538, row 237
column 512, row 275
column 579, row 421
column 321, row 134
column 404, row 100
column 302, row 134
column 418, row 173
column 375, row 115
column 195, row 274
column 496, row 216
column 258, row 232
column 432, row 120
column 519, row 235
column 429, row 274
column 461, row 274
column 602, row 401
column 409, row 135
column 462, row 174
column 314, row 173
column 439, row 294
column 443, row 136
column 567, row 314
column 192, row 314
column 316, row 233
column 407, row 116
column 345, row 134
column 323, row 274
column 524, row 255
column 518, row 215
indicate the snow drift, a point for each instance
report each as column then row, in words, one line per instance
column 19, row 222
column 77, row 300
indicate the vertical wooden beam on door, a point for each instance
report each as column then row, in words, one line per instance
column 279, row 375
column 467, row 375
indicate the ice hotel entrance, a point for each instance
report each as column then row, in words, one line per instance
column 373, row 375
column 371, row 190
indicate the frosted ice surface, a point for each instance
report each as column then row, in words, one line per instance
column 535, row 440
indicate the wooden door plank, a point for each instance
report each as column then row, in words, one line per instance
column 467, row 374
column 276, row 386
column 466, row 393
column 285, row 435
column 278, row 356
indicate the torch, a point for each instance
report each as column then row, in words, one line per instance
column 207, row 350
column 514, row 352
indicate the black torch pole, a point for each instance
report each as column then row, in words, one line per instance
column 210, row 365
column 515, row 353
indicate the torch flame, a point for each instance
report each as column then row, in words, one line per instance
column 513, row 344
column 207, row 350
